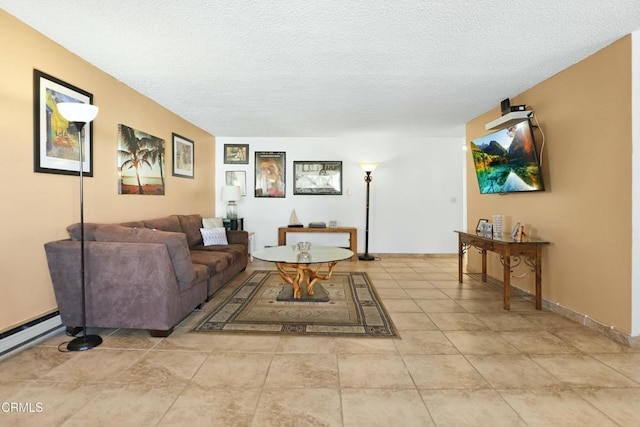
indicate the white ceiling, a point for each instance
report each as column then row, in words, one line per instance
column 330, row 67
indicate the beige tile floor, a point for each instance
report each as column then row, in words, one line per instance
column 460, row 360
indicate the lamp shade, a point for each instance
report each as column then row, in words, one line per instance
column 77, row 112
column 230, row 193
column 368, row 167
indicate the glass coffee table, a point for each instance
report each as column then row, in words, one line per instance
column 297, row 268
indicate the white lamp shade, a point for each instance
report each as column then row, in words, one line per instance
column 77, row 111
column 230, row 193
column 368, row 167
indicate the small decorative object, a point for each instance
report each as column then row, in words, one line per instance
column 333, row 223
column 498, row 224
column 514, row 231
column 317, row 224
column 238, row 178
column 236, row 154
column 270, row 174
column 293, row 220
column 304, row 246
column 231, row 194
column 520, row 233
column 183, row 156
column 57, row 142
column 317, row 178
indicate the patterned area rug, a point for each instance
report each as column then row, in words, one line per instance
column 353, row 309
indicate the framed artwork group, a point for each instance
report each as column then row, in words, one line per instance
column 141, row 156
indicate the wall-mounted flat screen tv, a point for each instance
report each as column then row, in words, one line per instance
column 506, row 161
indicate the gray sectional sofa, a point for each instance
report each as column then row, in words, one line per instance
column 146, row 274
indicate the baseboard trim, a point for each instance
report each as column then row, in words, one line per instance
column 608, row 331
column 28, row 334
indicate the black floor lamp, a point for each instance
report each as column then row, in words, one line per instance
column 367, row 168
column 80, row 114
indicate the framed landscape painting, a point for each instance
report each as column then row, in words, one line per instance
column 140, row 162
column 55, row 141
column 183, row 156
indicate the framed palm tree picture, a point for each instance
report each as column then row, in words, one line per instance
column 140, row 162
column 183, row 156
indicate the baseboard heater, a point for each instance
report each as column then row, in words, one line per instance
column 29, row 332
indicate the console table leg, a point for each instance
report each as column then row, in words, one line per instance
column 538, row 278
column 460, row 258
column 484, row 265
column 507, row 280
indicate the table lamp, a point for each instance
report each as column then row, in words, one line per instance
column 231, row 194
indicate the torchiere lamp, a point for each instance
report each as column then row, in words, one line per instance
column 80, row 114
column 367, row 168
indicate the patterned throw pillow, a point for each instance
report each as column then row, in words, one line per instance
column 212, row 222
column 214, row 236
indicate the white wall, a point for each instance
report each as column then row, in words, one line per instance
column 417, row 195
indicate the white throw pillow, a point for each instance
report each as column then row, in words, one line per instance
column 214, row 236
column 212, row 222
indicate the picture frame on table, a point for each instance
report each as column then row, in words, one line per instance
column 183, row 156
column 515, row 231
column 317, row 178
column 270, row 176
column 483, row 226
column 236, row 154
column 238, row 178
column 55, row 142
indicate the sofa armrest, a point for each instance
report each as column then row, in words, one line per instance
column 130, row 284
column 238, row 236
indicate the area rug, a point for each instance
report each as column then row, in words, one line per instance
column 353, row 309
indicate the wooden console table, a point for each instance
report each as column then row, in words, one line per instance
column 352, row 231
column 530, row 249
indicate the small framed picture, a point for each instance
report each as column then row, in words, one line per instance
column 482, row 225
column 236, row 154
column 515, row 231
column 183, row 156
column 238, row 178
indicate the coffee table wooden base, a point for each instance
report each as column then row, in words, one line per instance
column 303, row 275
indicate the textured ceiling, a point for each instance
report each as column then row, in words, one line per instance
column 332, row 67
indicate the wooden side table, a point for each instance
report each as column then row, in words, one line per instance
column 529, row 249
column 352, row 231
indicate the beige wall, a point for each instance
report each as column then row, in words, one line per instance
column 585, row 113
column 36, row 207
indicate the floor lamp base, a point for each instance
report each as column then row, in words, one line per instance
column 366, row 257
column 85, row 342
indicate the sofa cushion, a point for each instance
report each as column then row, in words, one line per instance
column 167, row 223
column 237, row 251
column 89, row 230
column 133, row 224
column 214, row 236
column 216, row 261
column 176, row 245
column 191, row 227
column 212, row 222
